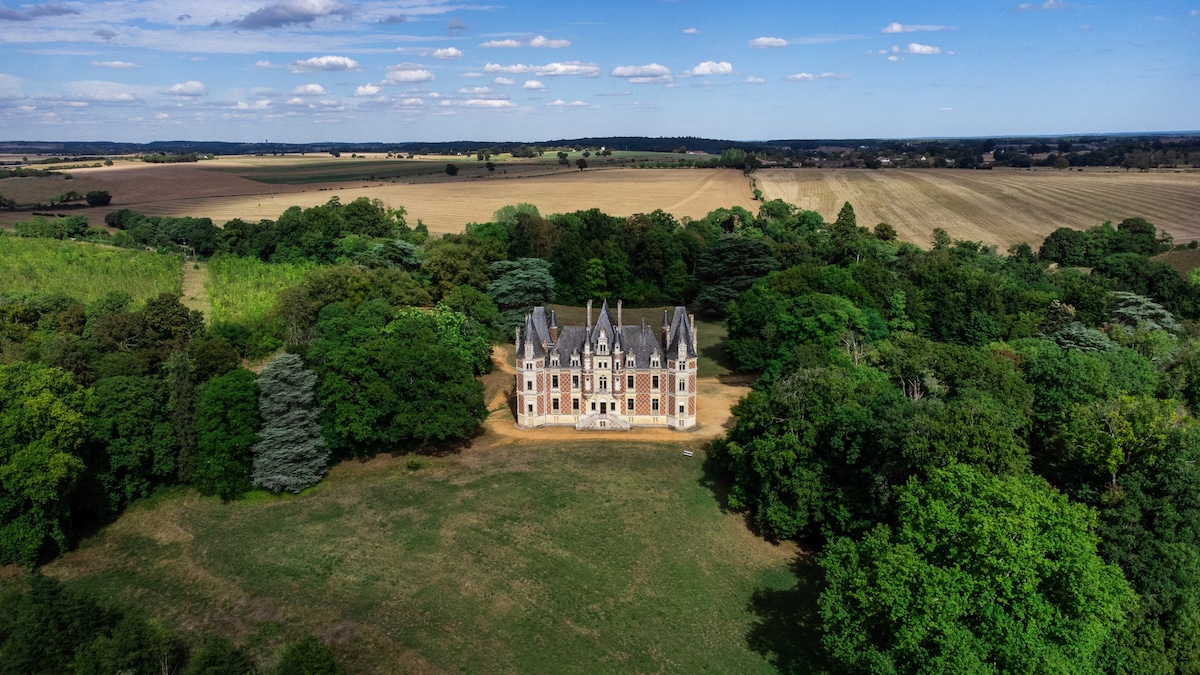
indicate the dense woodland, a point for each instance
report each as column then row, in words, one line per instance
column 994, row 455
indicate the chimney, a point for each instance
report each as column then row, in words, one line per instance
column 553, row 327
column 666, row 329
column 692, row 320
column 619, row 321
column 589, row 314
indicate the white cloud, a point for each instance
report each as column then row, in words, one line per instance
column 945, row 109
column 567, row 68
column 116, row 65
column 101, row 91
column 810, row 77
column 309, row 90
column 291, row 12
column 710, row 68
column 504, row 81
column 534, row 85
column 765, row 42
column 477, row 91
column 486, row 103
column 500, row 44
column 326, row 64
column 368, row 90
column 755, row 80
column 542, row 42
column 893, row 58
column 407, row 73
column 1048, row 4
column 903, row 28
column 690, row 31
column 652, row 73
column 559, row 103
column 189, row 88
column 296, row 101
column 447, row 53
column 927, row 50
column 412, row 102
column 265, row 65
column 260, row 104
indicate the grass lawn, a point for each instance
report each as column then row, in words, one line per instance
column 598, row 557
column 243, row 290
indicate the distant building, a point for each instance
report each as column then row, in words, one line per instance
column 606, row 375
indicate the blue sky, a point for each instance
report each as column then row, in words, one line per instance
column 438, row 70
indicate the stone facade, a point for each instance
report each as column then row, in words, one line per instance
column 606, row 375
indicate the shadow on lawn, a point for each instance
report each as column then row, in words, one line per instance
column 787, row 625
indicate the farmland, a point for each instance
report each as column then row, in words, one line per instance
column 999, row 207
column 85, row 272
column 531, row 557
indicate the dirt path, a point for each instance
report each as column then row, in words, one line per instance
column 195, row 288
column 715, row 399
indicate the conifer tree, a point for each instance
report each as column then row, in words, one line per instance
column 290, row 454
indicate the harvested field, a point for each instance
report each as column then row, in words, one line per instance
column 999, row 207
column 444, row 204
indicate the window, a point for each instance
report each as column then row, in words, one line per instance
column 681, row 409
column 654, row 382
column 603, row 383
column 629, row 405
column 630, row 362
column 574, row 381
column 655, row 362
column 554, row 360
column 654, row 405
column 528, row 385
column 593, row 406
column 554, row 404
column 604, row 364
column 554, row 382
column 683, row 385
column 574, row 360
column 602, row 347
column 575, row 404
column 530, row 408
column 629, row 382
column 683, row 365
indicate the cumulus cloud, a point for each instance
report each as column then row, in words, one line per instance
column 500, row 44
column 407, row 73
column 652, row 73
column 533, row 85
column 36, row 12
column 309, row 90
column 477, row 91
column 1048, row 4
column 115, row 65
column 810, row 77
column 559, row 103
column 903, row 28
column 368, row 90
column 567, row 68
column 291, row 12
column 325, row 64
column 755, row 80
column 926, row 50
column 504, row 81
column 690, row 31
column 447, row 53
column 710, row 68
column 893, row 58
column 260, row 104
column 542, row 42
column 767, row 42
column 412, row 102
column 265, row 64
column 189, row 88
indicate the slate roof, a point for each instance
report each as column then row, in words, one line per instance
column 639, row 340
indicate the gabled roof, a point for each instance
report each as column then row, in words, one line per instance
column 681, row 330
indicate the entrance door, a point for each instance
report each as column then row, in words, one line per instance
column 603, row 407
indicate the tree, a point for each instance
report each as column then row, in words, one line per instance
column 133, row 423
column 979, row 574
column 308, row 657
column 562, row 158
column 98, row 198
column 520, row 285
column 581, row 163
column 43, row 423
column 227, row 423
column 219, row 656
column 451, row 169
column 290, row 453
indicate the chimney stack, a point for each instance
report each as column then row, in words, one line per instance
column 589, row 314
column 553, row 327
column 619, row 321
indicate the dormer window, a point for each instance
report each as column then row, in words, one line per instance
column 630, row 362
column 575, row 360
column 654, row 361
column 554, row 360
column 602, row 346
